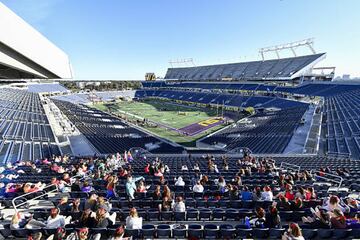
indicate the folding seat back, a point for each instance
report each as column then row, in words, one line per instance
column 309, row 233
column 195, row 231
column 276, row 233
column 20, row 233
column 166, row 216
column 218, row 214
column 153, row 215
column 163, row 231
column 243, row 232
column 227, row 231
column 5, row 231
column 211, row 231
column 341, row 233
column 232, row 214
column 192, row 214
column 134, row 233
column 204, row 214
column 179, row 231
column 179, row 216
column 148, row 231
column 260, row 233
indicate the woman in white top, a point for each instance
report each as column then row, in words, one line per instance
column 180, row 182
column 133, row 221
column 179, row 206
column 267, row 194
column 55, row 220
column 198, row 188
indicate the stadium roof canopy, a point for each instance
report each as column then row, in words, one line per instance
column 26, row 53
column 275, row 69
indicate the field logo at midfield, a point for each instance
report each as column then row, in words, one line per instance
column 208, row 122
column 199, row 127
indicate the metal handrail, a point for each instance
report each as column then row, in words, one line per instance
column 294, row 167
column 40, row 196
column 339, row 182
column 37, row 197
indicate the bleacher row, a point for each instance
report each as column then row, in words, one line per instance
column 232, row 100
column 108, row 134
column 47, row 88
column 262, row 133
column 282, row 69
column 341, row 124
column 25, row 132
column 309, row 89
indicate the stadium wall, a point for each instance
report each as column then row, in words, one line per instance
column 25, row 49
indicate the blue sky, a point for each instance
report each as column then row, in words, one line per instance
column 124, row 39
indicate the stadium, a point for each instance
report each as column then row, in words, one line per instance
column 265, row 149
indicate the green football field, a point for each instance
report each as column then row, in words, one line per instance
column 169, row 114
column 166, row 113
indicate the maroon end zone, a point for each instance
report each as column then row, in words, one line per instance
column 199, row 127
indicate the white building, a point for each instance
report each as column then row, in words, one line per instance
column 26, row 53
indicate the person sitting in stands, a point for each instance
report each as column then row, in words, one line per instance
column 63, row 205
column 310, row 194
column 256, row 196
column 141, row 187
column 167, row 193
column 29, row 187
column 122, row 172
column 198, row 188
column 75, row 187
column 86, row 187
column 284, row 203
column 80, row 234
column 179, row 205
column 293, row 233
column 204, row 180
column 130, row 186
column 13, row 188
column 221, row 183
column 301, row 193
column 258, row 220
column 196, row 167
column 297, row 205
column 158, row 173
column 180, row 182
column 75, row 205
column 147, row 169
column 86, row 219
column 353, row 205
column 267, row 194
column 55, row 220
column 91, row 202
column 272, row 218
column 334, row 202
column 184, row 168
column 133, row 221
column 157, row 193
column 320, row 219
column 162, row 181
column 24, row 220
column 110, row 187
column 119, row 234
column 246, row 195
column 165, row 206
column 101, row 201
column 338, row 220
column 237, row 181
